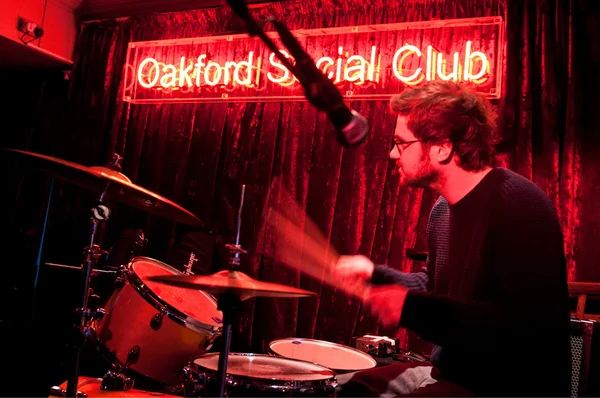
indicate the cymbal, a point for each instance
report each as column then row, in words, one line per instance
column 120, row 187
column 231, row 281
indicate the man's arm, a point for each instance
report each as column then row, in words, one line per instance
column 414, row 281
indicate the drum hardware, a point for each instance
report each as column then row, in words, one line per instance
column 121, row 278
column 95, row 313
column 378, row 346
column 409, row 356
column 171, row 326
column 116, row 380
column 100, row 214
column 231, row 287
column 156, row 321
column 194, row 382
column 258, row 375
column 95, row 272
column 228, row 302
column 108, row 183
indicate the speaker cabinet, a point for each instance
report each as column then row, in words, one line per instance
column 583, row 358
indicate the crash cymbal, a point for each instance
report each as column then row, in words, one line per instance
column 120, row 188
column 231, row 281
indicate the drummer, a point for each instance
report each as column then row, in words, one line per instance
column 493, row 298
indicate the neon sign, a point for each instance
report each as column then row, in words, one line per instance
column 366, row 62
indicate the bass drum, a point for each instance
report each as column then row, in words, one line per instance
column 156, row 329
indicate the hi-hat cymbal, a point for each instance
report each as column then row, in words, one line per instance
column 231, row 281
column 120, row 188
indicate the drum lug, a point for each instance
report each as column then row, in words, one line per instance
column 121, row 279
column 98, row 314
column 156, row 321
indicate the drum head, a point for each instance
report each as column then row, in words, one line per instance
column 192, row 303
column 330, row 355
column 255, row 366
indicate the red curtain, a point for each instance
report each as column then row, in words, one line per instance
column 199, row 155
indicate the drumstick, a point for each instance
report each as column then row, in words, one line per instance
column 298, row 243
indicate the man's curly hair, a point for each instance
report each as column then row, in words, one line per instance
column 443, row 110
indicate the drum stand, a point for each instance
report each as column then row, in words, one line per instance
column 100, row 213
column 229, row 303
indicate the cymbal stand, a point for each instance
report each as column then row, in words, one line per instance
column 229, row 303
column 100, row 213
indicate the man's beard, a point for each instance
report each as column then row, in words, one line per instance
column 426, row 175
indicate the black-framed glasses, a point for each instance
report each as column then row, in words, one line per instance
column 401, row 145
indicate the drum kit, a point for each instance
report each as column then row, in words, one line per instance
column 160, row 324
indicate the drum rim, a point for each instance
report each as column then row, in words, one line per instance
column 273, row 382
column 155, row 301
column 345, row 347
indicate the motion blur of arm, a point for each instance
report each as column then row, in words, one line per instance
column 389, row 286
column 387, row 299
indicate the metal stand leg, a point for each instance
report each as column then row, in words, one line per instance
column 99, row 213
column 229, row 304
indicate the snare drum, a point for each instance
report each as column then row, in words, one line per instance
column 156, row 329
column 337, row 357
column 255, row 375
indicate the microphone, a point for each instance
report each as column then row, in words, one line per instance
column 352, row 128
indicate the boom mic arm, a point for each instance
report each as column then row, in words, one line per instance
column 308, row 71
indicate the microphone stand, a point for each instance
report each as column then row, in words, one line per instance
column 241, row 9
column 318, row 89
column 309, row 76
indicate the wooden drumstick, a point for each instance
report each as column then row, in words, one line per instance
column 298, row 243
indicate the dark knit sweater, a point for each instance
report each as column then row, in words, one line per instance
column 493, row 298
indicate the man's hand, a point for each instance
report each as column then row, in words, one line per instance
column 386, row 302
column 354, row 267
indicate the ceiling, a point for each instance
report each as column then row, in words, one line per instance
column 101, row 9
column 18, row 55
